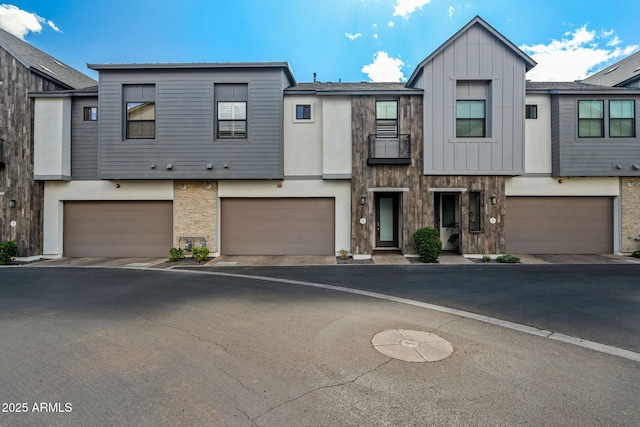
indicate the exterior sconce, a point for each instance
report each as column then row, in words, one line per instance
column 207, row 186
column 12, row 203
column 618, row 166
column 169, row 166
column 635, row 167
column 209, row 165
column 279, row 185
column 363, row 200
column 226, row 165
column 183, row 186
column 560, row 181
column 153, row 166
column 493, row 200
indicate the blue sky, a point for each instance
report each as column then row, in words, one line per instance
column 348, row 40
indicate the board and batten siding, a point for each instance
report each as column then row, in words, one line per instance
column 185, row 126
column 573, row 156
column 475, row 56
column 84, row 141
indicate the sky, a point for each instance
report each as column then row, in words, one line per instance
column 338, row 40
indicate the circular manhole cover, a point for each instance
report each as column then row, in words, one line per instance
column 411, row 346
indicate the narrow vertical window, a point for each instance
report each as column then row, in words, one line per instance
column 475, row 211
column 90, row 114
column 531, row 111
column 590, row 119
column 622, row 119
column 387, row 118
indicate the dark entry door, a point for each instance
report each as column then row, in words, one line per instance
column 387, row 220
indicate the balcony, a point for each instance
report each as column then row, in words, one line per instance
column 389, row 150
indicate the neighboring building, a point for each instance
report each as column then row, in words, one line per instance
column 186, row 154
column 24, row 69
column 242, row 158
column 625, row 73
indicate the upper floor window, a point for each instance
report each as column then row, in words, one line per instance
column 622, row 119
column 231, row 111
column 387, row 118
column 90, row 114
column 531, row 111
column 472, row 99
column 303, row 112
column 590, row 119
column 140, row 111
column 470, row 119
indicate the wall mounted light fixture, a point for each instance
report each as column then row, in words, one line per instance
column 209, row 165
column 493, row 200
column 635, row 167
column 169, row 166
column 363, row 200
column 207, row 186
column 12, row 203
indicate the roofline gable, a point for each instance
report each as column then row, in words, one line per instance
column 529, row 63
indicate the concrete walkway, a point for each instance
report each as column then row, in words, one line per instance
column 310, row 260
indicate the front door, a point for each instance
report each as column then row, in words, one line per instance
column 387, row 220
column 449, row 221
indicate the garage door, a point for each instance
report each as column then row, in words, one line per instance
column 559, row 225
column 277, row 226
column 118, row 229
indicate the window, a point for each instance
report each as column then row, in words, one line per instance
column 470, row 119
column 590, row 119
column 622, row 119
column 232, row 120
column 475, row 211
column 303, row 112
column 140, row 111
column 531, row 111
column 387, row 118
column 90, row 114
column 231, row 110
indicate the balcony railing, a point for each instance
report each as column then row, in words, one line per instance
column 385, row 150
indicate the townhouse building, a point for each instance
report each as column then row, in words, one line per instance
column 242, row 158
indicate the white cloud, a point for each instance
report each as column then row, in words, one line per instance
column 20, row 22
column 405, row 8
column 575, row 56
column 384, row 68
column 390, row 24
column 352, row 37
column 375, row 36
column 451, row 10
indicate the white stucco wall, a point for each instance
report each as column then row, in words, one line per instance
column 56, row 192
column 336, row 135
column 338, row 189
column 52, row 138
column 537, row 146
column 547, row 186
column 302, row 138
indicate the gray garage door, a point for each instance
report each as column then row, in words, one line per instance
column 118, row 229
column 288, row 226
column 559, row 225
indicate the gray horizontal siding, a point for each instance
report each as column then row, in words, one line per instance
column 84, row 141
column 591, row 156
column 186, row 128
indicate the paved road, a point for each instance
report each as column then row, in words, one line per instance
column 600, row 303
column 172, row 348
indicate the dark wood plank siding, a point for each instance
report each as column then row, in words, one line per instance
column 84, row 141
column 417, row 205
column 185, row 127
column 16, row 178
column 593, row 156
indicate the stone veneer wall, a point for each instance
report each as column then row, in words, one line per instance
column 630, row 193
column 195, row 212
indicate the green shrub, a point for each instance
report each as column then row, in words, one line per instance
column 200, row 254
column 512, row 259
column 427, row 243
column 486, row 258
column 344, row 254
column 176, row 254
column 8, row 250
